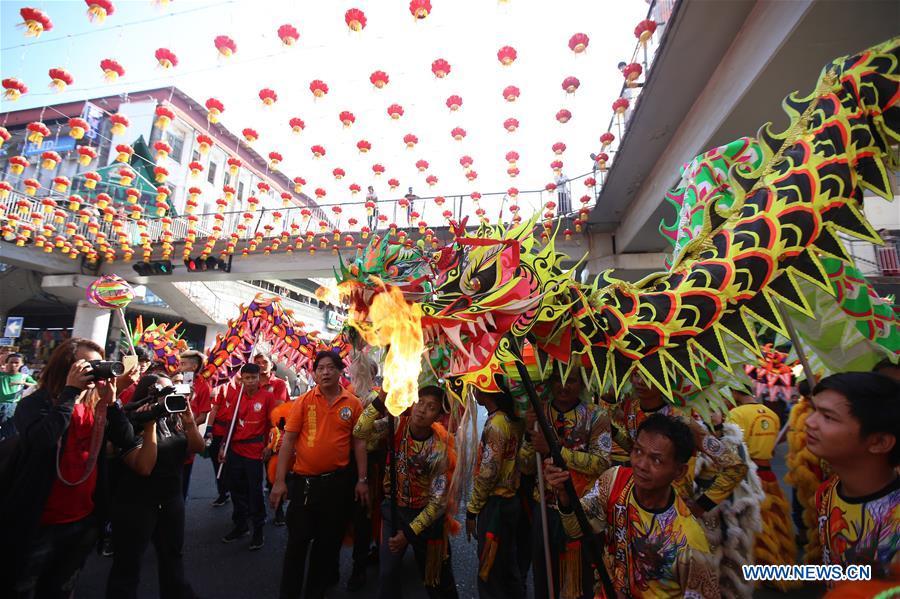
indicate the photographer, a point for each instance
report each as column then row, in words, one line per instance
column 151, row 507
column 53, row 484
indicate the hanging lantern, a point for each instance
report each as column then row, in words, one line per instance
column 91, row 179
column 204, row 143
column 164, row 117
column 288, row 34
column 431, row 180
column 590, row 182
column 160, row 174
column 476, row 197
column 274, row 160
column 86, row 154
column 631, row 73
column 395, row 111
column 439, row 200
column 338, row 173
column 35, row 21
column 393, row 184
column 454, row 103
column 13, row 89
column 296, row 123
column 564, row 116
column 512, row 192
column 166, row 58
column 363, row 146
column 558, row 148
column 263, row 187
column 346, row 117
column 252, row 203
column 5, row 189
column 196, row 168
column 320, row 193
column 31, row 186
column 606, row 139
column 458, row 133
column 506, row 55
column 61, row 184
column 511, row 124
column 299, row 182
column 512, row 157
column 37, row 131
column 126, row 176
column 225, row 45
column 571, row 84
column 645, row 30
column 355, row 19
column 119, row 124
column 620, row 106
column 250, row 135
column 192, row 201
column 377, row 169
column 448, row 214
column 510, row 93
column 466, row 162
column 162, row 150
column 354, row 189
column 4, row 135
column 124, row 153
column 77, row 127
column 214, row 109
column 420, row 9
column 98, row 10
column 318, row 88
column 18, row 164
column 161, row 206
column 578, row 43
column 379, row 79
column 471, row 175
column 440, row 68
column 557, row 166
column 132, row 195
column 268, row 96
column 318, row 151
column 422, row 165
column 229, row 192
column 410, row 140
column 112, row 70
column 512, row 171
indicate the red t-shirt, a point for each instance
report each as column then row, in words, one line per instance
column 200, row 401
column 252, row 427
column 65, row 503
column 225, row 409
column 126, row 394
column 278, row 388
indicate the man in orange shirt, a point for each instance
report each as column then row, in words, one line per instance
column 244, row 460
column 318, row 439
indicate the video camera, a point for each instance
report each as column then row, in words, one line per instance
column 103, row 370
column 165, row 401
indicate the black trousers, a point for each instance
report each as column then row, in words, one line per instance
column 186, row 479
column 221, row 482
column 54, row 559
column 557, row 540
column 500, row 517
column 320, row 521
column 135, row 526
column 245, row 480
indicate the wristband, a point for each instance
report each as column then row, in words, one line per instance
column 362, row 479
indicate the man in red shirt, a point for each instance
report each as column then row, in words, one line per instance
column 190, row 364
column 268, row 380
column 244, row 459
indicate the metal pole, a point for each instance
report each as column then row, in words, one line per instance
column 237, row 406
column 544, row 528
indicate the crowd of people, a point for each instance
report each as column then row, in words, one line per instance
column 591, row 496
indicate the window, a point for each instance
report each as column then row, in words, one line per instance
column 195, row 156
column 227, row 178
column 240, row 193
column 211, row 172
column 176, row 140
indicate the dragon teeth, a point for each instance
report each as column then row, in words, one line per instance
column 489, row 319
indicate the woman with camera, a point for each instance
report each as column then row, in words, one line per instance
column 54, row 486
column 151, row 508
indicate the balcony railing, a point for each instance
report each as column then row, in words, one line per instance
column 888, row 260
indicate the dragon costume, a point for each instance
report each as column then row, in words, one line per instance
column 785, row 210
column 162, row 341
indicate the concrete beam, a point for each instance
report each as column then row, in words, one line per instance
column 766, row 29
column 627, row 266
column 178, row 301
column 33, row 258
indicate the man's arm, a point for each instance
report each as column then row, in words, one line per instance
column 370, row 426
column 593, row 503
column 596, row 459
column 730, row 469
column 285, row 459
column 437, row 502
column 488, row 469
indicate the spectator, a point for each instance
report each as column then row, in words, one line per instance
column 317, row 440
column 268, row 380
column 12, row 383
column 410, row 208
column 53, row 505
column 151, row 507
column 190, row 364
column 562, row 190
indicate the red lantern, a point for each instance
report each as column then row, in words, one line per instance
column 506, row 55
column 645, row 30
column 363, row 146
column 355, row 19
column 318, row 151
column 18, row 164
column 86, row 154
column 5, row 135
column 420, row 8
column 578, row 43
column 590, row 182
column 563, row 116
column 91, row 179
column 37, row 131
column 454, row 103
column 268, row 96
column 410, row 140
column 31, row 186
column 162, row 150
column 512, row 156
column 77, row 127
column 395, row 111
column 234, row 166
column 160, row 174
column 570, row 85
column 250, row 135
column 558, row 148
column 119, row 123
column 274, row 159
column 13, row 89
column 36, row 21
column 377, row 169
column 214, row 108
column 511, row 124
column 606, row 139
column 225, row 45
column 299, row 182
column 631, row 73
column 440, row 68
column 512, row 171
column 98, row 10
column 204, row 143
column 166, row 58
column 458, row 133
column 346, row 117
column 320, row 193
column 50, row 159
column 297, row 124
column 112, row 70
column 60, row 79
column 288, row 34
column 379, row 79
column 471, row 175
column 620, row 106
column 263, row 187
column 393, row 184
column 431, row 180
column 510, row 93
column 601, row 160
column 196, row 168
column 466, row 162
column 338, row 173
column 354, row 189
column 318, row 88
column 422, row 165
column 557, row 166
column 164, row 117
column 476, row 196
column 61, row 184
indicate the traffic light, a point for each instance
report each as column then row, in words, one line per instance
column 201, row 264
column 156, row 267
